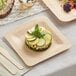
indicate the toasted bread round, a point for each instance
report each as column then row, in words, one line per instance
column 7, row 8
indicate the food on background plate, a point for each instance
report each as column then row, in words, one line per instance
column 68, row 5
column 25, row 4
column 5, row 7
column 38, row 38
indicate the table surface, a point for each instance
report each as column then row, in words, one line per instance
column 58, row 62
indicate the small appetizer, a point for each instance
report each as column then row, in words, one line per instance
column 5, row 7
column 25, row 4
column 38, row 38
column 69, row 5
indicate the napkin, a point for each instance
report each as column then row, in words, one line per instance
column 4, row 71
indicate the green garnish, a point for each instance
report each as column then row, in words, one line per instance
column 37, row 32
column 2, row 4
column 65, row 0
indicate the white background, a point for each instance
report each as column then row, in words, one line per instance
column 59, row 62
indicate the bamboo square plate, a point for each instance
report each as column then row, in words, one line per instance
column 16, row 38
column 55, row 7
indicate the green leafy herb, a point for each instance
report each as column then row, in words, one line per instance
column 2, row 4
column 37, row 32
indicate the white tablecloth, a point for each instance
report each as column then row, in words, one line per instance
column 58, row 62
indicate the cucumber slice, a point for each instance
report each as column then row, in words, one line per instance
column 48, row 38
column 34, row 42
column 29, row 36
column 29, row 32
column 45, row 31
column 41, row 42
column 31, row 39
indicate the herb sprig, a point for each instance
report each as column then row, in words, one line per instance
column 37, row 32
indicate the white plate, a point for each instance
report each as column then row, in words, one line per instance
column 55, row 7
column 16, row 38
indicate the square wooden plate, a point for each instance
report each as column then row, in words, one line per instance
column 16, row 38
column 55, row 7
